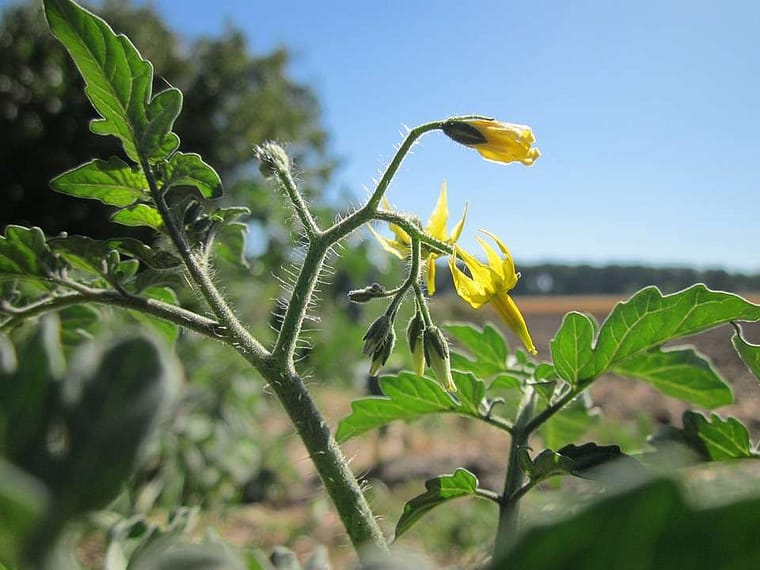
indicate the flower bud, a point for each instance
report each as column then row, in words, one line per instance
column 414, row 338
column 272, row 157
column 437, row 357
column 379, row 342
column 366, row 294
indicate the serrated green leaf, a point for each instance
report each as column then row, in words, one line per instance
column 724, row 439
column 24, row 253
column 82, row 252
column 547, row 464
column 749, row 353
column 649, row 318
column 188, row 169
column 568, row 425
column 438, row 491
column 139, row 215
column 593, row 461
column 157, row 139
column 681, row 373
column 118, row 80
column 111, row 181
column 487, row 347
column 408, row 397
column 572, row 346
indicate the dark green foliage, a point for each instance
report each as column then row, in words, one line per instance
column 646, row 528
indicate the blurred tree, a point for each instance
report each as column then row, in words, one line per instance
column 232, row 100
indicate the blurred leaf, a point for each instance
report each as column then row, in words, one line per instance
column 547, row 464
column 724, row 439
column 117, row 407
column 571, row 346
column 82, row 252
column 77, row 324
column 139, row 215
column 568, row 425
column 169, row 331
column 151, row 256
column 23, row 500
column 438, row 491
column 647, row 527
column 230, row 243
column 408, row 397
column 749, row 353
column 505, row 382
column 24, row 253
column 189, row 169
column 25, row 392
column 681, row 373
column 486, row 345
column 111, row 181
column 648, row 319
column 118, row 82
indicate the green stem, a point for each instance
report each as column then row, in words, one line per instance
column 299, row 204
column 509, row 508
column 152, row 307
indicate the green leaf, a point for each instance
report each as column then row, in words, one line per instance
column 648, row 319
column 24, row 253
column 118, row 405
column 486, row 345
column 682, row 373
column 139, row 215
column 118, row 82
column 409, row 397
column 158, row 138
column 78, row 323
column 438, row 491
column 607, row 462
column 569, row 424
column 169, row 331
column 151, row 256
column 25, row 391
column 229, row 244
column 547, row 464
column 110, row 181
column 82, row 252
column 649, row 526
column 188, row 169
column 571, row 346
column 724, row 439
column 23, row 500
column 749, row 353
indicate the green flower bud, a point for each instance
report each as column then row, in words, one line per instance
column 373, row 291
column 379, row 342
column 437, row 357
column 414, row 334
column 272, row 157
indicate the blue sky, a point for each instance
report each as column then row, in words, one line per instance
column 646, row 114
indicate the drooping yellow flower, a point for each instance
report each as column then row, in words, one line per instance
column 494, row 140
column 491, row 283
column 401, row 245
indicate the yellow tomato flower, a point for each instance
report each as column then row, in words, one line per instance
column 491, row 283
column 494, row 140
column 401, row 245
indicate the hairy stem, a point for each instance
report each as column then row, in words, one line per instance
column 152, row 307
column 509, row 507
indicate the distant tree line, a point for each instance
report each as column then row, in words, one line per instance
column 557, row 279
column 553, row 279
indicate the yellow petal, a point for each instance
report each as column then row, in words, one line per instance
column 483, row 274
column 511, row 315
column 471, row 291
column 388, row 245
column 436, row 225
column 505, row 142
column 459, row 227
column 401, row 236
column 494, row 262
column 431, row 274
column 508, row 264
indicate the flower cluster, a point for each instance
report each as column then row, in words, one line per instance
column 485, row 282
